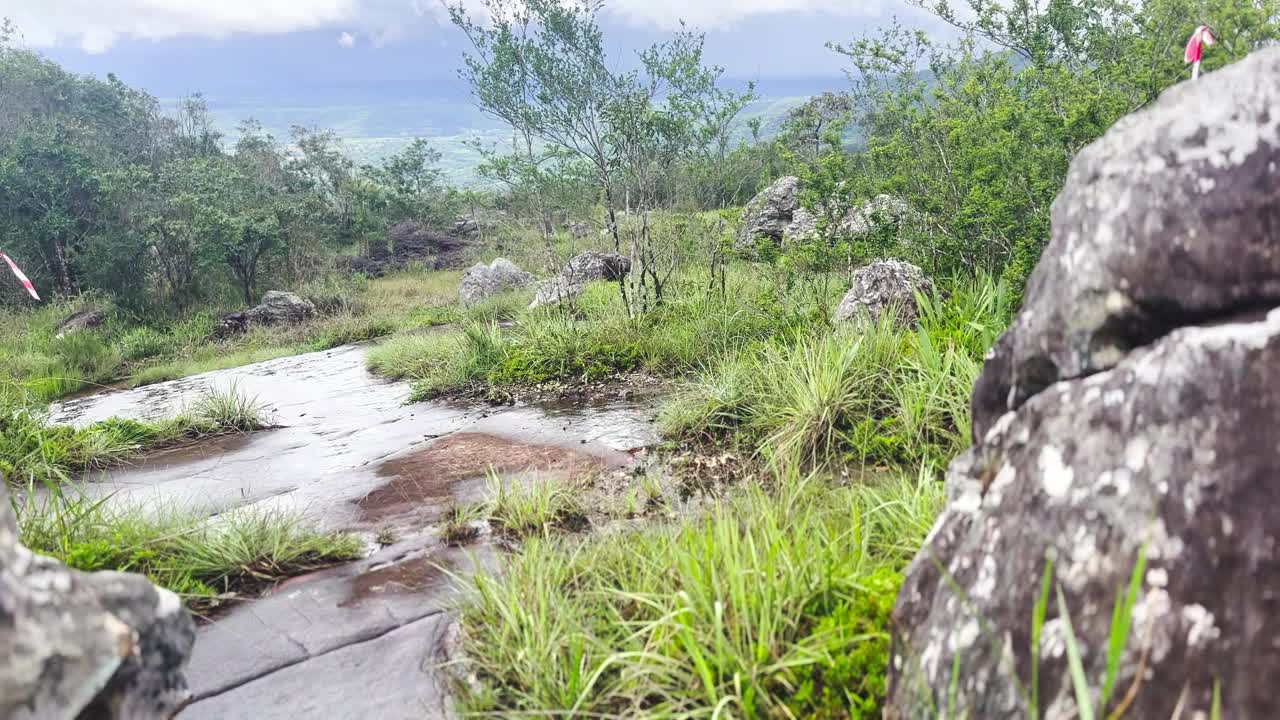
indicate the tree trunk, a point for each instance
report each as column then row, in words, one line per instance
column 64, row 272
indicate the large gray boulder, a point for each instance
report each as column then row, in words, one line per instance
column 1169, row 219
column 803, row 227
column 278, row 307
column 481, row 282
column 770, row 212
column 1130, row 410
column 76, row 645
column 881, row 287
column 584, row 268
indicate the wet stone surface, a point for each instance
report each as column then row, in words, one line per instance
column 364, row 639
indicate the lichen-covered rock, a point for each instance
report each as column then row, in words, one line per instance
column 1129, row 411
column 1169, row 218
column 481, row 281
column 770, row 212
column 81, row 321
column 880, row 210
column 882, row 286
column 466, row 227
column 1171, row 451
column 804, row 226
column 278, row 307
column 859, row 220
column 582, row 269
column 102, row 645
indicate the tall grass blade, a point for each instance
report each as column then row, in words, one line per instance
column 1079, row 682
column 1037, row 626
column 1120, row 622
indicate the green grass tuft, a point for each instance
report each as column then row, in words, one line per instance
column 197, row 557
column 773, row 604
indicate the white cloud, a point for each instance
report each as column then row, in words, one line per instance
column 720, row 14
column 96, row 26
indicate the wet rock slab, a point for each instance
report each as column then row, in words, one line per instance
column 339, row 425
column 389, row 677
column 362, row 640
column 325, row 640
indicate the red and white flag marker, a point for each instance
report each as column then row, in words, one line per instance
column 1200, row 39
column 26, row 283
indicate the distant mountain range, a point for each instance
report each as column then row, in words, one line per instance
column 377, row 122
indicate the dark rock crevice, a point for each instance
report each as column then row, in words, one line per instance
column 1000, row 390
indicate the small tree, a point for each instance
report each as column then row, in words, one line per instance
column 540, row 65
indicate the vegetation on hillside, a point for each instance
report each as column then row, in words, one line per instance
column 100, row 190
column 126, row 351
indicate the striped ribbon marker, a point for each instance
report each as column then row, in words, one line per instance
column 1200, row 39
column 26, row 283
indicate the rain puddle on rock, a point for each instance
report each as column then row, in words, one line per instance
column 356, row 641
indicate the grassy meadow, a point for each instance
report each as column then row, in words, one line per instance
column 129, row 351
column 771, row 597
column 766, row 597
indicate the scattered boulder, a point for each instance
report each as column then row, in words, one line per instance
column 81, row 321
column 232, row 323
column 1129, row 411
column 580, row 231
column 884, row 286
column 481, row 281
column 879, row 209
column 466, row 227
column 770, row 212
column 584, row 268
column 857, row 221
column 90, row 645
column 279, row 307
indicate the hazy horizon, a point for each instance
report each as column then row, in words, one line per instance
column 380, row 72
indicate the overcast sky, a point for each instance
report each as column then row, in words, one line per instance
column 175, row 46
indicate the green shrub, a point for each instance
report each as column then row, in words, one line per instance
column 853, row 680
column 874, row 395
column 194, row 330
column 348, row 329
column 87, row 353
